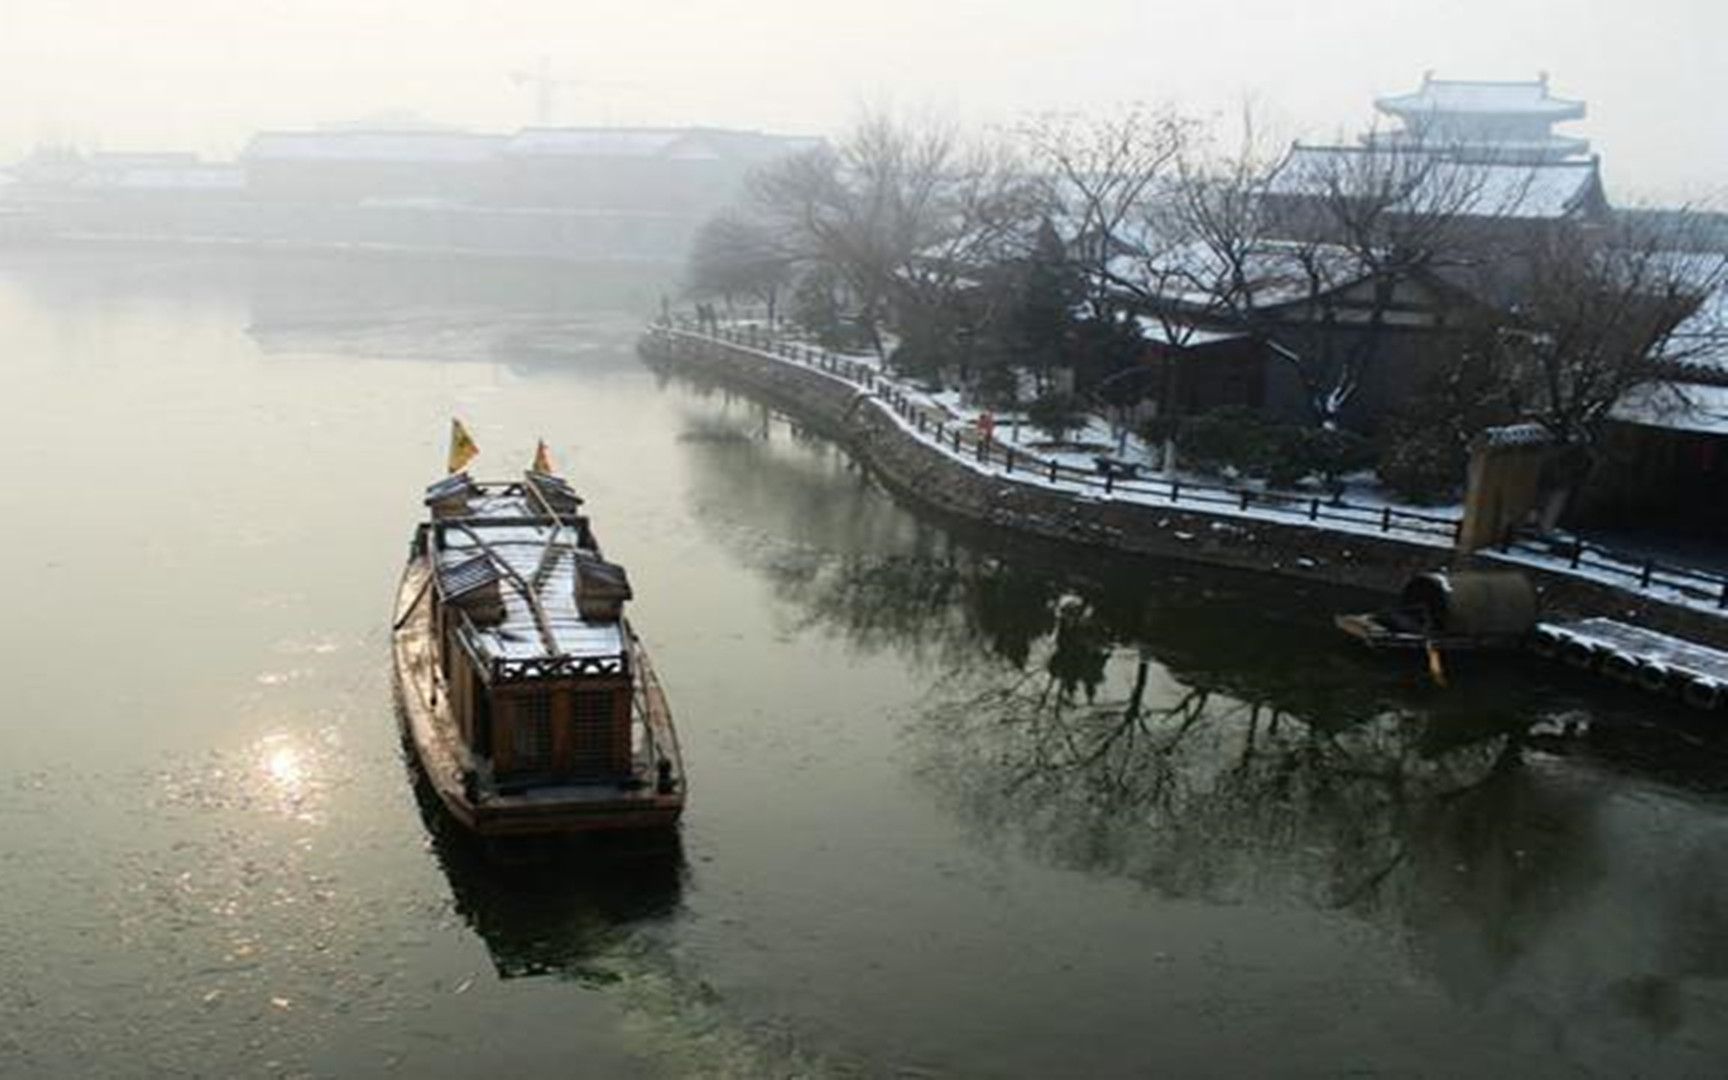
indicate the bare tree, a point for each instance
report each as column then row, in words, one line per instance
column 901, row 212
column 1186, row 259
column 1365, row 228
column 1599, row 312
column 955, row 289
column 1318, row 255
column 1102, row 176
column 738, row 256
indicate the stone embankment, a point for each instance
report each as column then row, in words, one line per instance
column 849, row 410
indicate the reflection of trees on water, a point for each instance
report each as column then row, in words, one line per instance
column 525, row 317
column 285, row 289
column 524, row 344
column 1209, row 736
column 1591, row 914
column 1099, row 759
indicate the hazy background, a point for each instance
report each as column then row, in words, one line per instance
column 203, row 74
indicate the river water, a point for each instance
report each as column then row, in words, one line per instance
column 960, row 806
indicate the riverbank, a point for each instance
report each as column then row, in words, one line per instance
column 853, row 404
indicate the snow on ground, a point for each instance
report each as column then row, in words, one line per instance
column 1364, row 509
column 1079, row 454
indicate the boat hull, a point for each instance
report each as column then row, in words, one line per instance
column 430, row 730
column 1371, row 631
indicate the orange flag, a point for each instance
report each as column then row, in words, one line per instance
column 462, row 446
column 542, row 459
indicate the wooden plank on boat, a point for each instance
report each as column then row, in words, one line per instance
column 530, row 595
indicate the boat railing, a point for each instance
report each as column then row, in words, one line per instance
column 648, row 708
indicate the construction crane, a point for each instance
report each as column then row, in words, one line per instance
column 547, row 88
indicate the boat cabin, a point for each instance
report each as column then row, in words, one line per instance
column 533, row 648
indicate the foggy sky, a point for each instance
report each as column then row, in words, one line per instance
column 202, row 74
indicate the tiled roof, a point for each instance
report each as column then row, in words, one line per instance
column 1486, row 189
column 516, row 538
column 1483, row 97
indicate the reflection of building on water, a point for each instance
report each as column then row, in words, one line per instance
column 555, row 909
column 420, row 309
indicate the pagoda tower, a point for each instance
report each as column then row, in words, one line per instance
column 1508, row 122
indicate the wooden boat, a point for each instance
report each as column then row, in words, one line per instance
column 527, row 697
column 1463, row 610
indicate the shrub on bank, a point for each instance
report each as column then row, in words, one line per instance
column 1236, row 439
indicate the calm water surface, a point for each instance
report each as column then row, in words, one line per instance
column 960, row 807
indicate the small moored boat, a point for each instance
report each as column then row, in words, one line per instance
column 528, row 698
column 1461, row 610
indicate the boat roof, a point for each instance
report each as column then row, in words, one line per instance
column 510, row 535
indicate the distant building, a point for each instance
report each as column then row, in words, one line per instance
column 1475, row 171
column 1665, row 451
column 1507, row 122
column 1476, row 150
column 553, row 193
column 355, row 166
column 668, row 170
column 658, row 170
column 148, row 175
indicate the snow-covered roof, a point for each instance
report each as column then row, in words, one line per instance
column 443, row 147
column 595, row 142
column 517, row 537
column 1182, row 335
column 1702, row 337
column 103, row 159
column 150, row 177
column 1273, row 272
column 1523, row 98
column 1475, row 146
column 1696, row 407
column 1432, row 184
column 675, row 144
column 1526, row 434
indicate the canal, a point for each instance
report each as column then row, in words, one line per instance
column 960, row 805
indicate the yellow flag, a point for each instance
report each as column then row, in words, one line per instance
column 462, row 447
column 542, row 459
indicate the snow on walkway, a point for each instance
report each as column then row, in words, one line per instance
column 941, row 421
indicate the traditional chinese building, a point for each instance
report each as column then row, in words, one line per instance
column 1480, row 152
column 1474, row 120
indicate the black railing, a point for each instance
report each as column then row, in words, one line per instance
column 935, row 426
column 1641, row 572
column 1113, row 480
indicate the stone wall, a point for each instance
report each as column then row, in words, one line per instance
column 917, row 471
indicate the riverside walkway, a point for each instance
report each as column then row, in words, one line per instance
column 965, row 443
